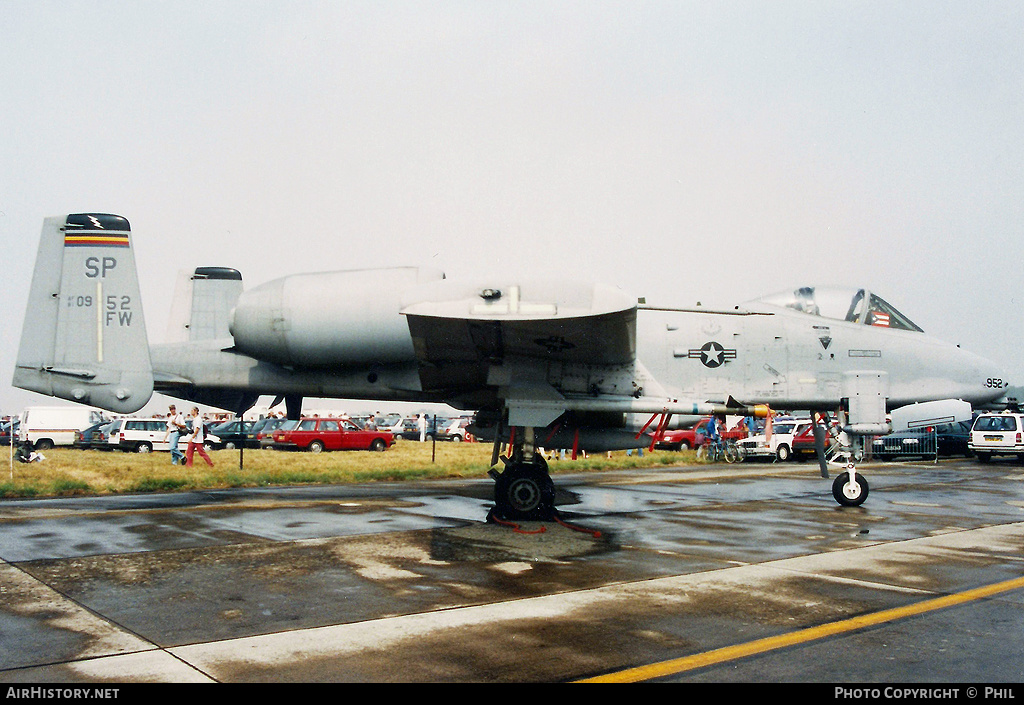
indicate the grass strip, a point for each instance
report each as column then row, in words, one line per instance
column 72, row 472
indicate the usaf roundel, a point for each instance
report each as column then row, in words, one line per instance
column 712, row 354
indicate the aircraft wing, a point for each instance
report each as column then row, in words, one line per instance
column 466, row 335
column 547, row 347
column 552, row 321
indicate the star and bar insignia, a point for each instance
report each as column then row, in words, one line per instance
column 712, row 354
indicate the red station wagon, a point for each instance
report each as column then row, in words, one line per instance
column 319, row 434
column 688, row 438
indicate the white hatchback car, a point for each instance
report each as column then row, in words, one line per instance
column 997, row 434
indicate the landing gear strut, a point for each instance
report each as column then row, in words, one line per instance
column 850, row 488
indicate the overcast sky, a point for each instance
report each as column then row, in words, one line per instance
column 686, row 151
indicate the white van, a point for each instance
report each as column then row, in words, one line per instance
column 49, row 426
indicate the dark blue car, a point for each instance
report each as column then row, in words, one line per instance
column 941, row 440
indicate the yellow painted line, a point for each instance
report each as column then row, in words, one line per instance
column 731, row 653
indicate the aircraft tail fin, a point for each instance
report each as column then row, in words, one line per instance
column 84, row 335
column 203, row 303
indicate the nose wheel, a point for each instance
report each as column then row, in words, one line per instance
column 850, row 489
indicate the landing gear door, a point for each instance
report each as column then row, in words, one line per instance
column 867, row 393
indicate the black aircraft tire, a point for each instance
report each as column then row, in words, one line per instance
column 852, row 496
column 524, row 492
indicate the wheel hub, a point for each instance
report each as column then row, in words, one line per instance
column 524, row 494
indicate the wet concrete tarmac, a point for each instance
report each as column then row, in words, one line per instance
column 405, row 582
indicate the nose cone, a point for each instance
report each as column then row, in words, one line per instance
column 930, row 370
column 982, row 380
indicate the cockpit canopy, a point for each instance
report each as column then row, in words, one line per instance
column 852, row 305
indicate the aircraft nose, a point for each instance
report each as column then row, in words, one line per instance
column 986, row 379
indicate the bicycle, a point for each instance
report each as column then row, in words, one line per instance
column 714, row 450
column 709, row 451
column 734, row 452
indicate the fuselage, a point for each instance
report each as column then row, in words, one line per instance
column 536, row 349
column 318, row 335
column 793, row 360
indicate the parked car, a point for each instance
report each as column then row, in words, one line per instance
column 435, row 426
column 803, row 443
column 143, row 435
column 229, row 434
column 319, row 434
column 94, row 437
column 410, row 429
column 997, row 434
column 5, row 432
column 389, row 422
column 263, row 429
column 690, row 438
column 803, row 447
column 780, row 445
column 455, row 430
column 954, row 438
column 942, row 439
column 104, row 439
column 139, row 435
column 267, row 438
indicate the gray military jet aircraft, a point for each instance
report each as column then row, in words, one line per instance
column 558, row 364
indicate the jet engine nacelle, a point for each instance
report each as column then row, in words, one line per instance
column 930, row 413
column 329, row 318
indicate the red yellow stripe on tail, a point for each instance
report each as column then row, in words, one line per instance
column 95, row 239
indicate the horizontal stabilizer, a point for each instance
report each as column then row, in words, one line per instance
column 84, row 336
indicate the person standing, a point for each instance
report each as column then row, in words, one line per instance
column 175, row 428
column 713, row 433
column 197, row 441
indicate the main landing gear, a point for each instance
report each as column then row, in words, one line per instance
column 524, row 489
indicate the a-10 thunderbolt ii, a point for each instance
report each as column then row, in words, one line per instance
column 556, row 364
